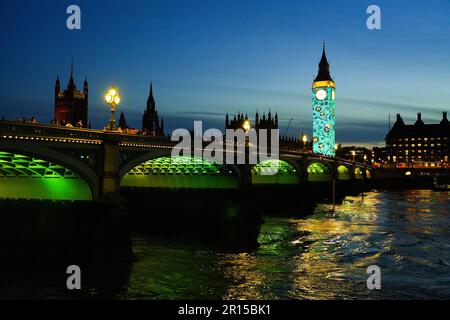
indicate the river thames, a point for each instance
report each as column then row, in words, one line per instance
column 321, row 256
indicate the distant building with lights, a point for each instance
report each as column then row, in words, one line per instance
column 151, row 125
column 418, row 144
column 71, row 105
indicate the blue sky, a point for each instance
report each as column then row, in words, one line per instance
column 207, row 58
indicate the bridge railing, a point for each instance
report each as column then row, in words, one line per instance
column 31, row 131
column 11, row 128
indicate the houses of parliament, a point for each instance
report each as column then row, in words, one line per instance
column 71, row 109
column 71, row 105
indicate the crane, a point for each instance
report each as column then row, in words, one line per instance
column 289, row 125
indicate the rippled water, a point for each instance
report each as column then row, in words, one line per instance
column 322, row 256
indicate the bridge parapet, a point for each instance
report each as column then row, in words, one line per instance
column 40, row 132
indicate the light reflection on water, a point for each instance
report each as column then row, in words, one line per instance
column 322, row 256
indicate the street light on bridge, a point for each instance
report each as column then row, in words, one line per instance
column 113, row 99
column 246, row 125
column 304, row 140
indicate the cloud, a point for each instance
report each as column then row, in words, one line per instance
column 393, row 106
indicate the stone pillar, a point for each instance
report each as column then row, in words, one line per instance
column 113, row 236
column 303, row 165
column 110, row 174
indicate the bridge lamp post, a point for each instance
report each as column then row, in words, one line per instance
column 246, row 126
column 304, row 140
column 353, row 154
column 113, row 99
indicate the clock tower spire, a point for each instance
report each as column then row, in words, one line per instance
column 324, row 118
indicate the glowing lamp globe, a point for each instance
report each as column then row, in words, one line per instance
column 246, row 125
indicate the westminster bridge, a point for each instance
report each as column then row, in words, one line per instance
column 60, row 163
column 72, row 193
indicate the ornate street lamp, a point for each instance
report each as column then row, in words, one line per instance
column 113, row 99
column 304, row 140
column 246, row 125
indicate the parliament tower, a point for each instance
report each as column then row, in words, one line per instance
column 324, row 118
column 71, row 105
column 151, row 125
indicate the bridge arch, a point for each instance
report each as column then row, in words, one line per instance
column 273, row 171
column 319, row 172
column 132, row 162
column 359, row 173
column 25, row 176
column 180, row 172
column 343, row 173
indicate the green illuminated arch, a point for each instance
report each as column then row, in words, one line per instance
column 358, row 173
column 26, row 177
column 274, row 172
column 343, row 173
column 179, row 172
column 318, row 171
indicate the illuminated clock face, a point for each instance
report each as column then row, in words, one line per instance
column 321, row 94
column 333, row 95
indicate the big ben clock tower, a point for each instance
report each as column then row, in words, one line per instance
column 324, row 118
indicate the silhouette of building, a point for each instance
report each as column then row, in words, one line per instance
column 260, row 122
column 122, row 122
column 324, row 118
column 418, row 143
column 71, row 105
column 150, row 121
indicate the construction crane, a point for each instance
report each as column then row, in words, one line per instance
column 289, row 125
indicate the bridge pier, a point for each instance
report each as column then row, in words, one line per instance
column 110, row 180
column 114, row 241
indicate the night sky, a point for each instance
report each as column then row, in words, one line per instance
column 206, row 58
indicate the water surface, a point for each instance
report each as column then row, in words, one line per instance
column 321, row 256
